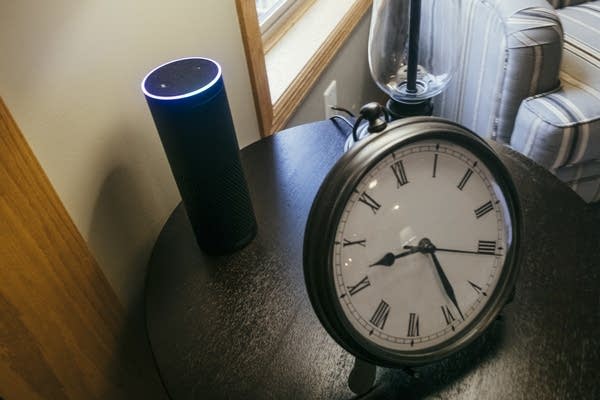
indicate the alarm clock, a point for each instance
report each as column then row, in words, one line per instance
column 411, row 246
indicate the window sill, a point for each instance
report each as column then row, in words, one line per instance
column 281, row 79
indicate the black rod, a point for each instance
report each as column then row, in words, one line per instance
column 413, row 45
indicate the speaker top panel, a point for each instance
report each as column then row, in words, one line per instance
column 182, row 78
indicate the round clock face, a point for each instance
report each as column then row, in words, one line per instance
column 420, row 252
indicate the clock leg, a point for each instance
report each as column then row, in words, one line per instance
column 362, row 377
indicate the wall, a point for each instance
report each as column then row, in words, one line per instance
column 70, row 73
column 350, row 68
column 63, row 333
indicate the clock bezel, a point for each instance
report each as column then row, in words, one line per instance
column 326, row 213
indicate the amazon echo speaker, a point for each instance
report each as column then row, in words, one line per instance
column 189, row 106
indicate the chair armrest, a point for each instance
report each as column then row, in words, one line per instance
column 511, row 50
column 560, row 128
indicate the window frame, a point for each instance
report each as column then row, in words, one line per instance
column 273, row 117
column 283, row 20
column 279, row 13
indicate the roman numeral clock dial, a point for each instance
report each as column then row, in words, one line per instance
column 421, row 251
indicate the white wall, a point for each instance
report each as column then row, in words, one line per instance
column 70, row 72
column 350, row 69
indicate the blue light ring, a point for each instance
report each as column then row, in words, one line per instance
column 204, row 88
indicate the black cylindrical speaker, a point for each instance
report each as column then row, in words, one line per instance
column 189, row 106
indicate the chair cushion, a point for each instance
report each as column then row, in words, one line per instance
column 511, row 50
column 563, row 127
column 566, row 3
column 583, row 178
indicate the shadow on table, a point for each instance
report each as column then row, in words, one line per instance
column 435, row 379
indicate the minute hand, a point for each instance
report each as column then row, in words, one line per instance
column 460, row 251
column 445, row 283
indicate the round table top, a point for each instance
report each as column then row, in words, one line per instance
column 242, row 327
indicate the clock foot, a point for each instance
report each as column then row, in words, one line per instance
column 362, row 377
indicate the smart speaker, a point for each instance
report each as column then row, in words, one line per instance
column 189, row 106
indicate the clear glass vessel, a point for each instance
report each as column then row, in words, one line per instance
column 414, row 63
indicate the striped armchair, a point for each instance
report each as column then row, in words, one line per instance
column 513, row 88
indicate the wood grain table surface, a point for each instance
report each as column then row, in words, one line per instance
column 241, row 326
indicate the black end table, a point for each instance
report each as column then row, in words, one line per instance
column 242, row 327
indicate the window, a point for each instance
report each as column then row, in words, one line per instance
column 281, row 21
column 269, row 11
column 275, row 17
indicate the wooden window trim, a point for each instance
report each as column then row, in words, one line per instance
column 276, row 32
column 274, row 117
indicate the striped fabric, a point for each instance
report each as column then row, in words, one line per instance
column 561, row 129
column 511, row 50
column 565, row 3
column 583, row 178
column 556, row 129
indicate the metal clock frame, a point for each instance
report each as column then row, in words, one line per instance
column 326, row 213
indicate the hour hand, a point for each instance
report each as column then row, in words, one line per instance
column 388, row 259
